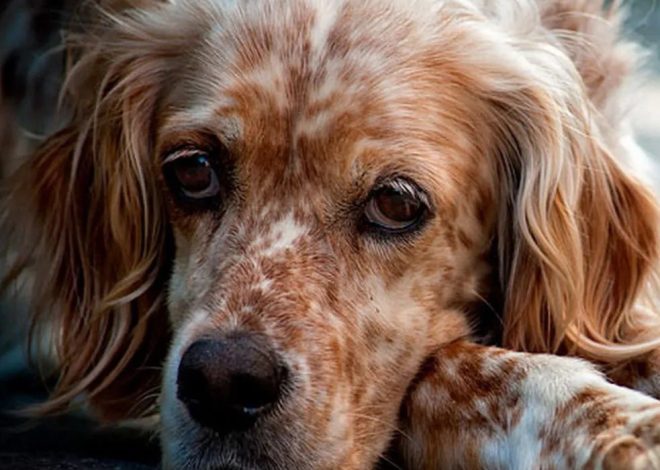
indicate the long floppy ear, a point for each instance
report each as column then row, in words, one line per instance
column 579, row 247
column 578, row 236
column 85, row 214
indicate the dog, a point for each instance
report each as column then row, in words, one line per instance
column 301, row 232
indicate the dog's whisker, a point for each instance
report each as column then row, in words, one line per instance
column 386, row 424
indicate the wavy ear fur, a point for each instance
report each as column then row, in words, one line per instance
column 578, row 236
column 85, row 213
column 583, row 245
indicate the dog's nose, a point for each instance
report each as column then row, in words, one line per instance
column 227, row 383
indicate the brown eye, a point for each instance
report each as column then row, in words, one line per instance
column 192, row 174
column 395, row 207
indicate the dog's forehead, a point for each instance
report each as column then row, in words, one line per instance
column 304, row 90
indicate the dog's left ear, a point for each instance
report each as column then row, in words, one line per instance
column 578, row 235
column 578, row 246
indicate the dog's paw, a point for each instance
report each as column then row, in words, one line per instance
column 636, row 446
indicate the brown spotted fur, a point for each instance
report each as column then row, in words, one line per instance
column 487, row 106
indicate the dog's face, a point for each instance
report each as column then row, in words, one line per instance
column 330, row 209
column 345, row 183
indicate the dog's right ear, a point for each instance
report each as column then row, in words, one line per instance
column 85, row 213
column 91, row 228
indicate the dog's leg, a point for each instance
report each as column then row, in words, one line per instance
column 483, row 407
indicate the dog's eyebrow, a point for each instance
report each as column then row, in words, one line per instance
column 190, row 138
column 201, row 120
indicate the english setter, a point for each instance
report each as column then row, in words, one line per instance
column 324, row 218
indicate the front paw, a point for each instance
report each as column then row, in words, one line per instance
column 635, row 445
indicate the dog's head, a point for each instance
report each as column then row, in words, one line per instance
column 319, row 194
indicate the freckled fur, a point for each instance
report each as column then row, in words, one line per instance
column 549, row 413
column 495, row 109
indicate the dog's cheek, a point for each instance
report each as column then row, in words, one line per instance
column 389, row 346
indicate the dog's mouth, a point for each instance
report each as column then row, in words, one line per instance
column 244, row 452
column 284, row 437
column 199, row 448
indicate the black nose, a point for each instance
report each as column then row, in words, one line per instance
column 227, row 383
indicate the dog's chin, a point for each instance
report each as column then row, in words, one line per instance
column 188, row 446
column 204, row 450
column 269, row 446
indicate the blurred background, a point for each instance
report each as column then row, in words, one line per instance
column 644, row 25
column 30, row 76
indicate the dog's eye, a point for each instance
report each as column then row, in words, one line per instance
column 395, row 207
column 192, row 173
